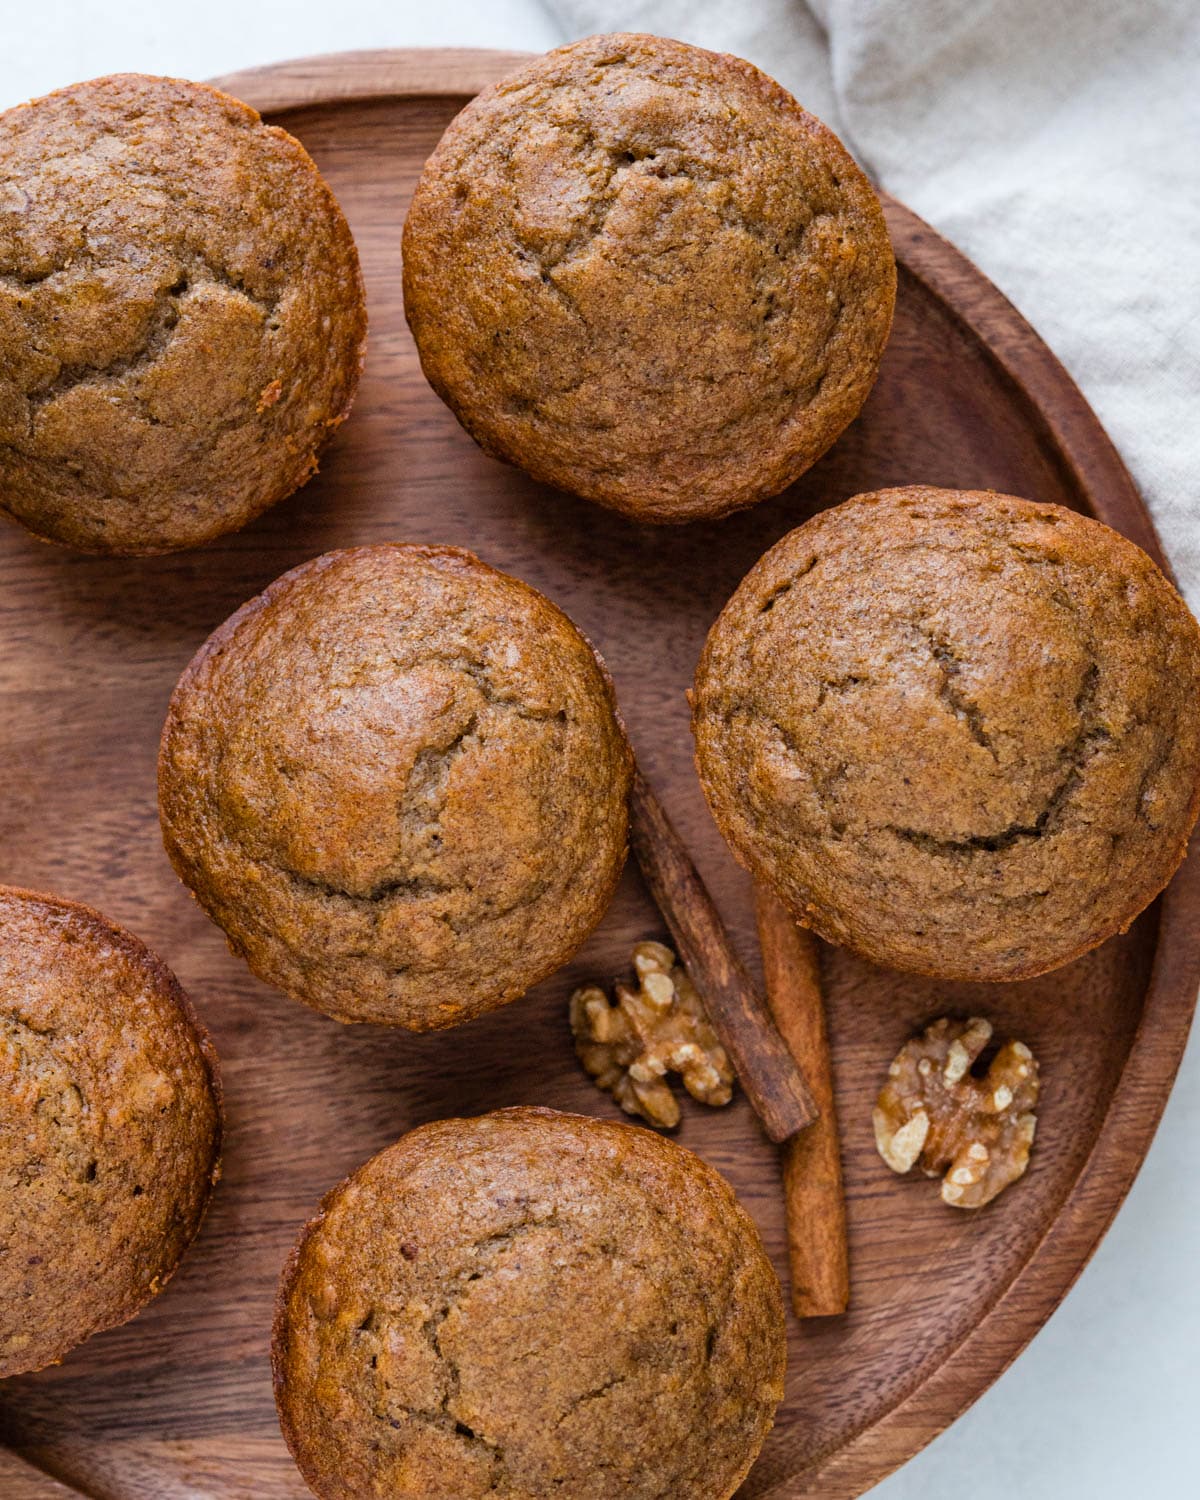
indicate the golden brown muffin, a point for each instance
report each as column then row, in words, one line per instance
column 959, row 732
column 181, row 315
column 110, row 1126
column 529, row 1305
column 398, row 781
column 642, row 273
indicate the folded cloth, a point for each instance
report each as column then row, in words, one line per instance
column 1056, row 144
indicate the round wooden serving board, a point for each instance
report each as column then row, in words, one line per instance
column 178, row 1403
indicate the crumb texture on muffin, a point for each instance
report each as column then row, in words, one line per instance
column 397, row 780
column 641, row 272
column 110, row 1127
column 529, row 1305
column 957, row 730
column 181, row 314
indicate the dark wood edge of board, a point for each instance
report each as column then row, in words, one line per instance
column 346, row 77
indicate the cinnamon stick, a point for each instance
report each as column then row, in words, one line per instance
column 812, row 1162
column 21, row 1480
column 765, row 1067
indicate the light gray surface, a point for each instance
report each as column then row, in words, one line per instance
column 1103, row 1403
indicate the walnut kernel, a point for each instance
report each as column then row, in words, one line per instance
column 975, row 1133
column 660, row 1027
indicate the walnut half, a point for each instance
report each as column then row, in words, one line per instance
column 629, row 1047
column 934, row 1113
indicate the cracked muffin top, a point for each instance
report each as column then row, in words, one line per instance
column 642, row 273
column 529, row 1305
column 181, row 315
column 959, row 732
column 110, row 1127
column 398, row 781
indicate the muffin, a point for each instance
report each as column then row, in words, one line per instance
column 181, row 315
column 110, row 1127
column 642, row 273
column 957, row 731
column 529, row 1305
column 397, row 780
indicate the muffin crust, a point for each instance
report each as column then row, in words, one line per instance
column 642, row 273
column 398, row 782
column 110, row 1126
column 958, row 731
column 529, row 1305
column 182, row 321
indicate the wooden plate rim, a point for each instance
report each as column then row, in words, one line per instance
column 1073, row 433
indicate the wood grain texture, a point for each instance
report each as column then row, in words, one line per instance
column 766, row 1070
column 177, row 1405
column 814, row 1199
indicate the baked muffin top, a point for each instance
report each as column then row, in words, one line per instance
column 958, row 731
column 397, row 780
column 110, row 1127
column 529, row 1305
column 641, row 272
column 181, row 314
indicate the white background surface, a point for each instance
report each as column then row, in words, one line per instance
column 1105, row 1402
